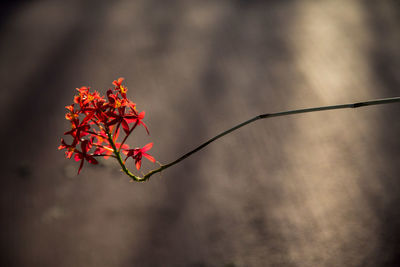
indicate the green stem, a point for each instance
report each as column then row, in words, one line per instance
column 259, row 117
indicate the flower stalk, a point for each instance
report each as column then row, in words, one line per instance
column 271, row 115
column 116, row 111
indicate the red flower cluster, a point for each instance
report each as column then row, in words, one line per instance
column 96, row 124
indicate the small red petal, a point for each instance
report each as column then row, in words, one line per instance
column 68, row 154
column 128, row 153
column 129, row 119
column 138, row 163
column 99, row 151
column 80, row 166
column 147, row 147
column 125, row 146
column 88, row 117
column 91, row 160
column 115, row 137
column 118, row 82
column 141, row 115
column 125, row 126
column 149, row 157
column 114, row 121
column 63, row 145
column 145, row 126
column 70, row 107
column 78, row 157
column 84, row 146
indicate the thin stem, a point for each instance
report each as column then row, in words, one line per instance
column 266, row 116
column 259, row 117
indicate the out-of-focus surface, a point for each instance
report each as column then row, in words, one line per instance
column 309, row 190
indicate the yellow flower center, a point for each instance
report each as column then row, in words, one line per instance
column 90, row 98
column 71, row 116
column 117, row 103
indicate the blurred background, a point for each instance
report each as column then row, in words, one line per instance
column 319, row 189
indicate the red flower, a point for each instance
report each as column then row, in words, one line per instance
column 78, row 130
column 72, row 114
column 122, row 90
column 113, row 99
column 118, row 82
column 82, row 98
column 83, row 155
column 124, row 119
column 98, row 110
column 139, row 121
column 70, row 148
column 138, row 153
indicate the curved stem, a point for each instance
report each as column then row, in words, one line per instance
column 262, row 116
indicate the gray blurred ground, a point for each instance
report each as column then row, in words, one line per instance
column 309, row 190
